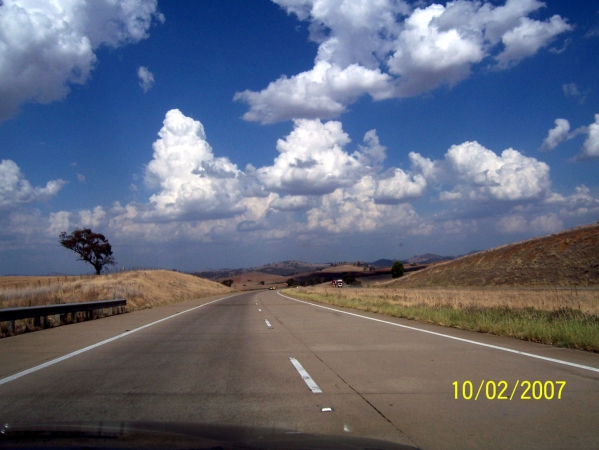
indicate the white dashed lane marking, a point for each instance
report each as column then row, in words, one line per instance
column 305, row 376
column 268, row 323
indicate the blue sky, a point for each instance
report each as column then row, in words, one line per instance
column 229, row 133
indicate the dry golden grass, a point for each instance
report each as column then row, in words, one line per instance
column 561, row 317
column 142, row 289
column 585, row 300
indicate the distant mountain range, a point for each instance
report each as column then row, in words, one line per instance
column 283, row 268
column 380, row 263
column 290, row 268
column 427, row 258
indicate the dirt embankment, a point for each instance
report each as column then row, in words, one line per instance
column 569, row 258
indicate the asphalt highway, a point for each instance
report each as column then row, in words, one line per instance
column 262, row 359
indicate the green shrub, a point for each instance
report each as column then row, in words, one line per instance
column 397, row 270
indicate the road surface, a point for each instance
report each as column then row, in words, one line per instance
column 261, row 359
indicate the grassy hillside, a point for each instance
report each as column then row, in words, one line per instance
column 569, row 258
column 142, row 289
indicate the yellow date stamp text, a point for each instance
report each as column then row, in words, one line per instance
column 503, row 390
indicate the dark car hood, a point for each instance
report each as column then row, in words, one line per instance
column 151, row 435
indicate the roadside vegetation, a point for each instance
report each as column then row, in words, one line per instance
column 560, row 317
column 397, row 270
column 142, row 289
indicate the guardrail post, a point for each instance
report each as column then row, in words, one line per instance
column 57, row 320
column 11, row 326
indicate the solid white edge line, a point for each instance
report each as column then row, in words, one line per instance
column 305, row 376
column 85, row 349
column 496, row 347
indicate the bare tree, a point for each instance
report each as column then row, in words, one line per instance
column 91, row 247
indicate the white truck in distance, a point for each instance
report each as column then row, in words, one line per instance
column 337, row 283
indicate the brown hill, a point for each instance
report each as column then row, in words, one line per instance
column 142, row 289
column 282, row 268
column 344, row 268
column 256, row 280
column 257, row 277
column 569, row 258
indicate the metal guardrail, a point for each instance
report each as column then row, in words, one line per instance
column 37, row 312
column 27, row 312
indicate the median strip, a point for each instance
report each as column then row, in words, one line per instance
column 305, row 376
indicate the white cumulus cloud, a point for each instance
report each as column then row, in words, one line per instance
column 146, row 78
column 388, row 49
column 544, row 224
column 315, row 191
column 323, row 92
column 478, row 173
column 312, row 160
column 398, row 186
column 528, row 37
column 590, row 148
column 512, row 224
column 556, row 135
column 548, row 223
column 291, row 203
column 427, row 54
column 580, row 203
column 192, row 183
column 373, row 153
column 58, row 222
column 47, row 45
column 91, row 218
column 313, row 185
column 571, row 90
column 352, row 209
column 15, row 190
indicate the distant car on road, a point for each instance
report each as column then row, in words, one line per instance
column 272, row 288
column 337, row 283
